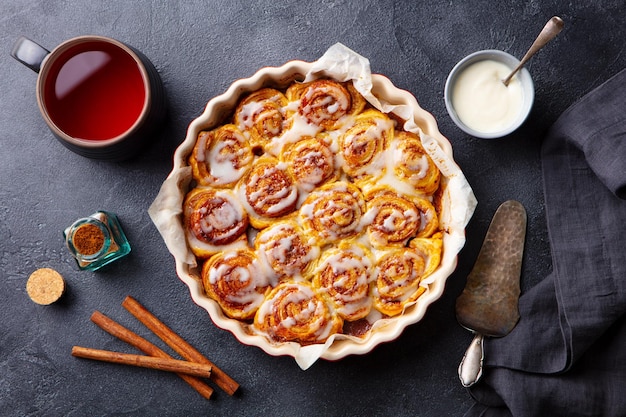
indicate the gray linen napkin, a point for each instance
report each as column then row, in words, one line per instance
column 567, row 355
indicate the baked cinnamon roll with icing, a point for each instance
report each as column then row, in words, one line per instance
column 345, row 274
column 413, row 164
column 398, row 283
column 430, row 249
column 362, row 145
column 220, row 157
column 393, row 220
column 268, row 192
column 235, row 280
column 325, row 102
column 214, row 220
column 286, row 250
column 429, row 219
column 333, row 212
column 262, row 116
column 311, row 161
column 296, row 312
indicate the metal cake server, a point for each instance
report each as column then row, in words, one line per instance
column 488, row 306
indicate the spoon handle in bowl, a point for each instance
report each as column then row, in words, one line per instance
column 549, row 32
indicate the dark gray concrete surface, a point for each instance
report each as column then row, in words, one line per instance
column 199, row 49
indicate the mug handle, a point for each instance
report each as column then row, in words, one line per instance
column 29, row 53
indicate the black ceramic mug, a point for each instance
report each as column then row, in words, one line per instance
column 101, row 98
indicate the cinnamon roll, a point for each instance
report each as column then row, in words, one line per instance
column 262, row 116
column 235, row 280
column 398, row 283
column 296, row 312
column 325, row 102
column 362, row 145
column 286, row 250
column 413, row 164
column 220, row 157
column 333, row 212
column 311, row 162
column 214, row 220
column 268, row 192
column 429, row 220
column 430, row 249
column 345, row 274
column 393, row 220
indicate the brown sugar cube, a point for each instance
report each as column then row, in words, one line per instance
column 45, row 286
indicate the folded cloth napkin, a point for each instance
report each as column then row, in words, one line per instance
column 567, row 354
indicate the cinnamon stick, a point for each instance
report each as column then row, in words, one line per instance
column 162, row 364
column 177, row 343
column 112, row 327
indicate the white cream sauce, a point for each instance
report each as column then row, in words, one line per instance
column 482, row 101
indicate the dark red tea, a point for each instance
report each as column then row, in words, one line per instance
column 94, row 91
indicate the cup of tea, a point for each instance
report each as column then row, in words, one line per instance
column 100, row 97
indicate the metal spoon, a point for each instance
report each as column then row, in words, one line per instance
column 549, row 32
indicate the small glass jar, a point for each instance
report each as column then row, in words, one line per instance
column 96, row 241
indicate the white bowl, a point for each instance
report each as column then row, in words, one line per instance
column 528, row 91
column 458, row 202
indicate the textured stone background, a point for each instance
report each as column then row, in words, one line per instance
column 200, row 48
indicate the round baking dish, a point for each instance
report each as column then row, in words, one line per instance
column 458, row 206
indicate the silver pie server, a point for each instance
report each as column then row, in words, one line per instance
column 488, row 306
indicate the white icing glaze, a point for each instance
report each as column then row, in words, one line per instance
column 222, row 166
column 313, row 316
column 418, row 167
column 252, row 112
column 299, row 128
column 374, row 132
column 249, row 278
column 326, row 108
column 201, row 146
column 345, row 214
column 276, row 247
column 351, row 294
column 222, row 218
column 247, row 113
column 406, row 285
column 278, row 200
column 482, row 101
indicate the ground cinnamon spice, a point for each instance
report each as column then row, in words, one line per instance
column 96, row 241
column 88, row 239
